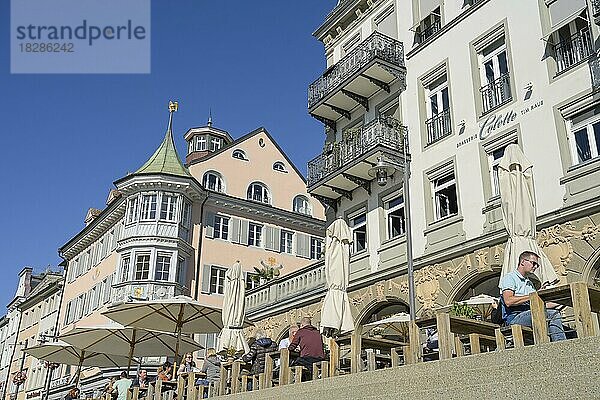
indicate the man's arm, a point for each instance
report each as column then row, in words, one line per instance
column 295, row 342
column 511, row 299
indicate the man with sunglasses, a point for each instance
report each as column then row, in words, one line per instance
column 516, row 287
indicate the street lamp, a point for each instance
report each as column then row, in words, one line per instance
column 382, row 170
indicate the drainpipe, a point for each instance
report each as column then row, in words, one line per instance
column 48, row 379
column 198, row 263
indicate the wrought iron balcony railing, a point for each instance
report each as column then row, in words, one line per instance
column 438, row 126
column 429, row 31
column 386, row 132
column 496, row 93
column 573, row 50
column 596, row 11
column 375, row 46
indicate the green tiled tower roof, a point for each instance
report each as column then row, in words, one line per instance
column 165, row 159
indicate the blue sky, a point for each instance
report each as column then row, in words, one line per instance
column 66, row 138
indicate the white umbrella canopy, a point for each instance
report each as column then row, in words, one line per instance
column 63, row 353
column 335, row 312
column 234, row 311
column 515, row 176
column 178, row 314
column 117, row 339
column 397, row 323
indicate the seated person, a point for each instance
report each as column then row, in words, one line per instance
column 261, row 346
column 187, row 364
column 164, row 372
column 141, row 380
column 122, row 386
column 516, row 287
column 308, row 340
column 211, row 368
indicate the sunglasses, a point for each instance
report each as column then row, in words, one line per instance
column 534, row 263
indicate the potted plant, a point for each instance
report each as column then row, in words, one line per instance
column 463, row 310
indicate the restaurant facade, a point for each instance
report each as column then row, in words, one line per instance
column 455, row 82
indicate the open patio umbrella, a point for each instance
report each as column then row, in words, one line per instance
column 117, row 339
column 335, row 312
column 63, row 353
column 234, row 311
column 515, row 175
column 180, row 314
column 397, row 323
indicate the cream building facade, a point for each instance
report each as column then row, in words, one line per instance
column 462, row 80
column 172, row 229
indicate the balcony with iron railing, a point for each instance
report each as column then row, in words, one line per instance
column 596, row 11
column 429, row 31
column 355, row 153
column 496, row 93
column 373, row 65
column 573, row 50
column 439, row 126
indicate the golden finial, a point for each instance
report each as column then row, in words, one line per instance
column 173, row 106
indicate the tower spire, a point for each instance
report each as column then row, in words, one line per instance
column 209, row 123
column 165, row 159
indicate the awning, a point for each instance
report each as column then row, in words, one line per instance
column 562, row 12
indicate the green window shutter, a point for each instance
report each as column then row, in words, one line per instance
column 244, row 231
column 234, row 229
column 209, row 224
column 205, row 287
column 277, row 239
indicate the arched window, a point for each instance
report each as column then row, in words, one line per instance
column 258, row 192
column 278, row 166
column 302, row 205
column 213, row 180
column 239, row 154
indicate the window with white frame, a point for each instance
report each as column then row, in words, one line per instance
column 258, row 192
column 495, row 75
column 142, row 266
column 239, row 154
column 132, row 209
column 445, row 197
column 149, row 207
column 570, row 41
column 358, row 224
column 302, row 205
column 494, row 158
column 168, row 207
column 438, row 110
column 200, row 143
column 125, row 267
column 255, row 235
column 429, row 25
column 286, row 242
column 212, row 180
column 163, row 264
column 217, row 280
column 316, row 248
column 215, row 144
column 585, row 136
column 221, row 227
column 394, row 210
column 279, row 166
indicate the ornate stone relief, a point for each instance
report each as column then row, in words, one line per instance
column 556, row 243
column 276, row 324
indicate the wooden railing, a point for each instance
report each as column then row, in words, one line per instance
column 457, row 337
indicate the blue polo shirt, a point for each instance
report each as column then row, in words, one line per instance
column 521, row 286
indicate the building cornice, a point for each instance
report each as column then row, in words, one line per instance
column 48, row 289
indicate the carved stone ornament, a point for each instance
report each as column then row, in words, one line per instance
column 555, row 241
